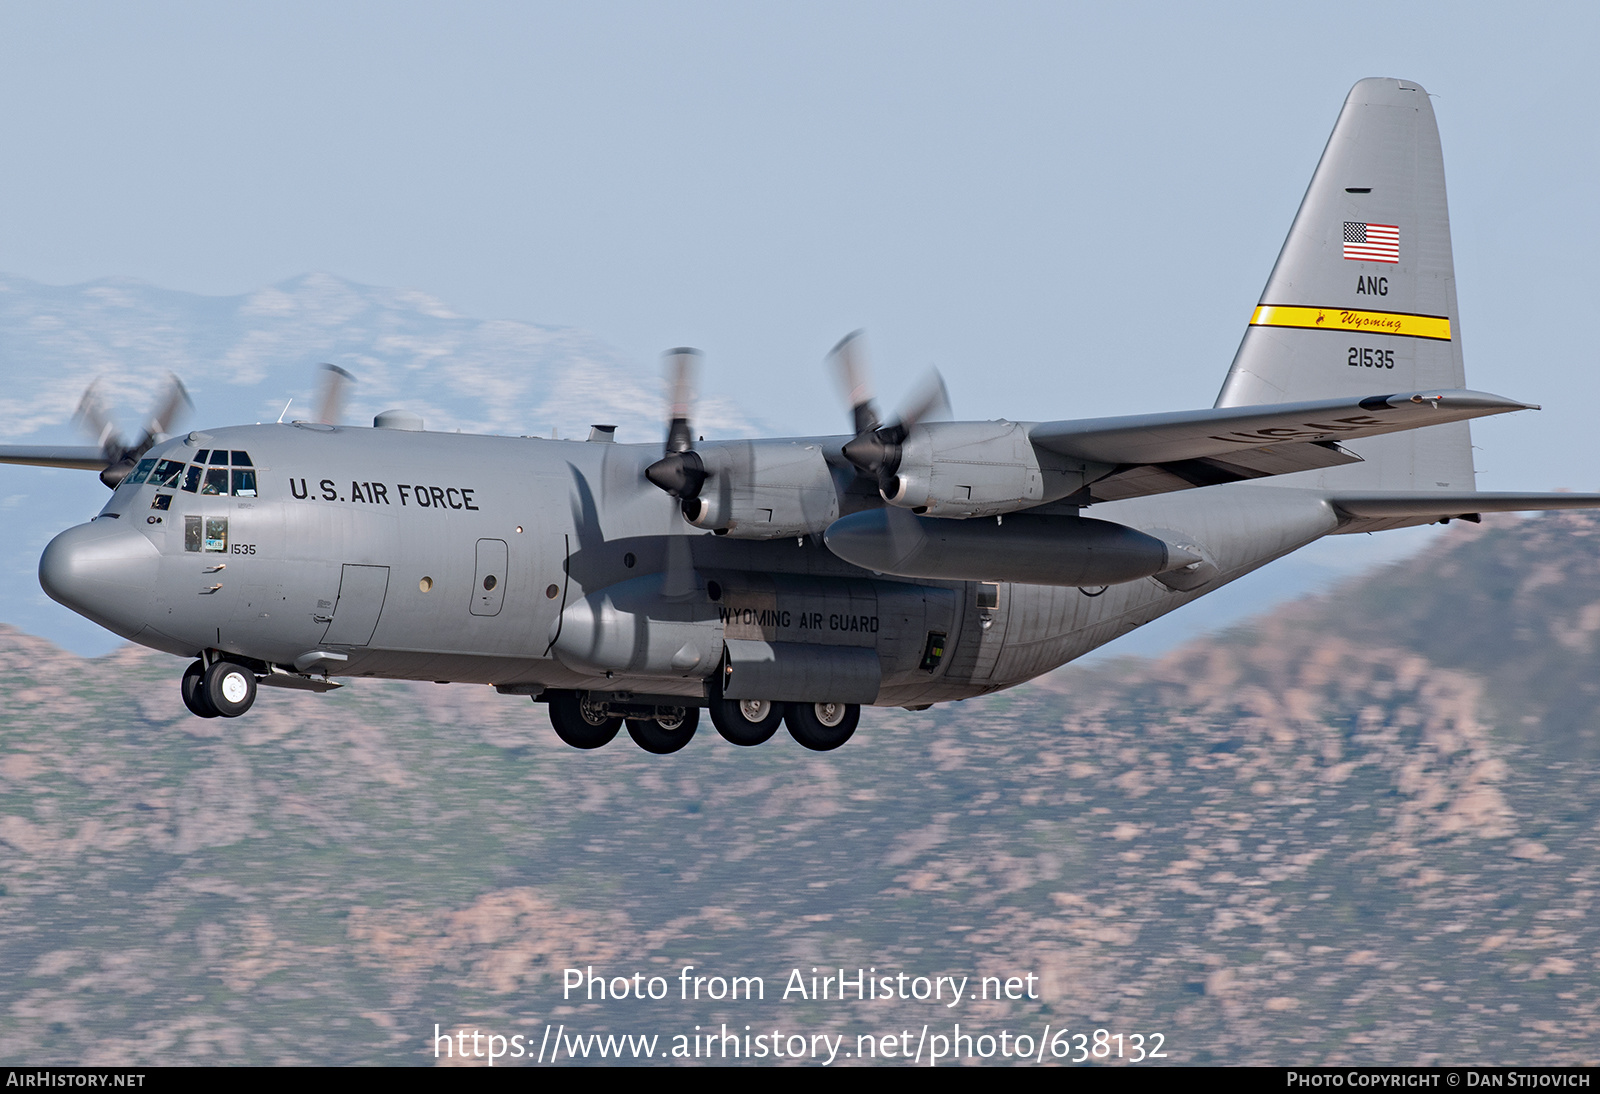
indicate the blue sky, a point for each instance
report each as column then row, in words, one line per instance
column 1070, row 209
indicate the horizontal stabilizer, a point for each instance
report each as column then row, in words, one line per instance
column 1196, row 434
column 1381, row 505
column 78, row 457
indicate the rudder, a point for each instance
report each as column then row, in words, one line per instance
column 1362, row 299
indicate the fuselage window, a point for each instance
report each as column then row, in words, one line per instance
column 191, row 481
column 167, row 473
column 244, row 482
column 191, row 533
column 141, row 472
column 216, row 533
column 216, row 481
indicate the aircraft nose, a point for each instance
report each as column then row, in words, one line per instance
column 104, row 572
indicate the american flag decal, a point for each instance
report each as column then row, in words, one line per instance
column 1371, row 242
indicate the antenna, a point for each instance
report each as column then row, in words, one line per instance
column 284, row 411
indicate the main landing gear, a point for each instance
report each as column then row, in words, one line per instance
column 746, row 722
column 668, row 730
column 586, row 723
column 581, row 723
column 822, row 727
column 224, row 689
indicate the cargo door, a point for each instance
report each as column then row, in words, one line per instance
column 489, row 583
column 355, row 614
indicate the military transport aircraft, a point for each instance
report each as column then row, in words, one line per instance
column 793, row 580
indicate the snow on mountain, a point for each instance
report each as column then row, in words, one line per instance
column 242, row 357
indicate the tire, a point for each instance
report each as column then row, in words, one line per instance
column 822, row 727
column 668, row 731
column 229, row 688
column 578, row 724
column 746, row 722
column 194, row 692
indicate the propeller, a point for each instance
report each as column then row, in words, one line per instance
column 875, row 450
column 680, row 472
column 850, row 364
column 121, row 457
column 331, row 393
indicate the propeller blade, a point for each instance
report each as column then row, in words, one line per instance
column 682, row 364
column 680, row 472
column 331, row 394
column 175, row 402
column 930, row 402
column 849, row 360
column 93, row 418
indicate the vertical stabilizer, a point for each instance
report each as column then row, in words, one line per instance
column 1362, row 300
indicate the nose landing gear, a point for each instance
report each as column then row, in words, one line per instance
column 224, row 689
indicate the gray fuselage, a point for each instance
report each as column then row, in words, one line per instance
column 367, row 552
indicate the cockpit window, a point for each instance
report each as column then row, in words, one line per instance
column 141, row 472
column 209, row 474
column 167, row 473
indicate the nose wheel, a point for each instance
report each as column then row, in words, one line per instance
column 224, row 689
column 193, row 695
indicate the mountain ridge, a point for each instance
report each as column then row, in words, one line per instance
column 1284, row 844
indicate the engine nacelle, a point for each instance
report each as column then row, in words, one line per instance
column 764, row 490
column 979, row 469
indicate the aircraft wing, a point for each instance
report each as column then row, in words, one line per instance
column 78, row 457
column 1156, row 453
column 1197, row 434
